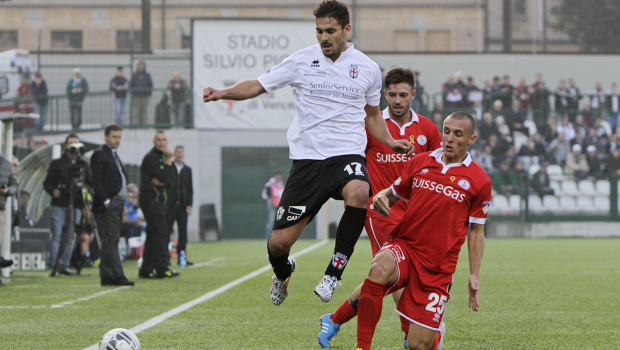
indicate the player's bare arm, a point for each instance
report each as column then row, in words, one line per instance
column 475, row 246
column 383, row 201
column 378, row 129
column 241, row 91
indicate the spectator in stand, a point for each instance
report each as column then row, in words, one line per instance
column 539, row 146
column 612, row 165
column 454, row 99
column 528, row 154
column 598, row 97
column 477, row 110
column 76, row 90
column 499, row 146
column 447, row 87
column 562, row 95
column 473, row 93
column 588, row 114
column 613, row 105
column 579, row 139
column 503, row 128
column 495, row 87
column 178, row 98
column 143, row 84
column 38, row 87
column 437, row 119
column 612, row 144
column 510, row 156
column 566, row 128
column 119, row 84
column 460, row 84
column 576, row 164
column 600, row 129
column 540, row 103
column 591, row 139
column 580, row 125
column 522, row 92
column 538, row 80
column 522, row 179
column 549, row 130
column 541, row 182
column 504, row 180
column 573, row 100
column 516, row 117
column 594, row 163
column 497, row 109
column 559, row 148
column 439, row 109
column 487, row 127
column 486, row 159
column 506, row 90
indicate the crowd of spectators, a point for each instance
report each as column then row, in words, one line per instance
column 517, row 129
column 33, row 97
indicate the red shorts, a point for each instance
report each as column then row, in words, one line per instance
column 426, row 292
column 379, row 230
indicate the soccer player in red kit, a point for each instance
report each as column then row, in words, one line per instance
column 384, row 166
column 447, row 193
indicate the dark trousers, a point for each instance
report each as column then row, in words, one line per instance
column 156, row 255
column 76, row 114
column 112, row 219
column 177, row 212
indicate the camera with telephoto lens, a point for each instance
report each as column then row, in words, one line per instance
column 77, row 168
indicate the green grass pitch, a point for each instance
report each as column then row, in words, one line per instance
column 535, row 294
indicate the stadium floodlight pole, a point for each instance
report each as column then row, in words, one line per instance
column 7, row 137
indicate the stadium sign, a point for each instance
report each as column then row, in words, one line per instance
column 227, row 51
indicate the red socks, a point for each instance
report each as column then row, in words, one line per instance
column 369, row 312
column 436, row 340
column 344, row 313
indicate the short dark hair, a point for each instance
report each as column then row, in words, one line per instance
column 119, row 68
column 22, row 193
column 333, row 9
column 37, row 75
column 400, row 75
column 70, row 136
column 179, row 146
column 460, row 115
column 111, row 127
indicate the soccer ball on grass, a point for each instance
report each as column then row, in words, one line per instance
column 119, row 339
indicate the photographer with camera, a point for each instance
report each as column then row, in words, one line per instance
column 66, row 176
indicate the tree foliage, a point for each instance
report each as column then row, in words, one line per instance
column 592, row 24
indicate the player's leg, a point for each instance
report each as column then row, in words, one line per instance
column 384, row 272
column 355, row 193
column 278, row 247
column 422, row 338
column 330, row 323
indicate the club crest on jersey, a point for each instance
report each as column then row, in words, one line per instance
column 353, row 71
column 339, row 261
column 464, row 183
column 424, row 171
column 315, row 63
column 421, row 140
column 279, row 213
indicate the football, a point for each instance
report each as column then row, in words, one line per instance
column 119, row 339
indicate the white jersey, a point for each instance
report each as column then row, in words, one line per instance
column 330, row 100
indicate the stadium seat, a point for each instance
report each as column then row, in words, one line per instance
column 535, row 204
column 555, row 172
column 499, row 205
column 533, row 169
column 601, row 204
column 515, row 202
column 569, row 188
column 602, row 187
column 568, row 204
column 551, row 203
column 585, row 204
column 556, row 187
column 586, row 187
column 531, row 127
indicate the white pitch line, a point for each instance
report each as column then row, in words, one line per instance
column 207, row 263
column 65, row 303
column 177, row 310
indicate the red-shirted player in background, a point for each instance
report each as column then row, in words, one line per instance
column 447, row 192
column 384, row 166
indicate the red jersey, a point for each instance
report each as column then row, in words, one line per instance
column 384, row 165
column 443, row 200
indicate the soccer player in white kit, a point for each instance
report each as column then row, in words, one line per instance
column 337, row 90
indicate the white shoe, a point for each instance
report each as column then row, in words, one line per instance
column 442, row 330
column 279, row 288
column 326, row 288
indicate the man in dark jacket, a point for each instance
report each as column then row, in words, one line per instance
column 58, row 184
column 541, row 182
column 142, row 86
column 157, row 176
column 77, row 88
column 180, row 201
column 110, row 185
column 38, row 88
column 119, row 85
column 8, row 187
